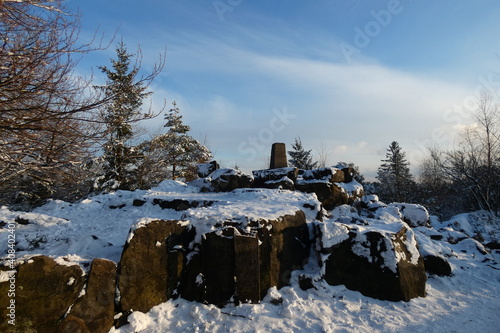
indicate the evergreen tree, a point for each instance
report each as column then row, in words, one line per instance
column 126, row 92
column 301, row 158
column 174, row 154
column 396, row 182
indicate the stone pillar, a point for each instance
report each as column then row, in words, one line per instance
column 278, row 156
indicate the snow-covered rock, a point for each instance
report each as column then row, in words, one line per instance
column 413, row 214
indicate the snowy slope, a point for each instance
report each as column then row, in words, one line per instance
column 98, row 227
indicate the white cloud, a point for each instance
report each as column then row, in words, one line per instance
column 356, row 109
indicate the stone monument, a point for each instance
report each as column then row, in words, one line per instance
column 278, row 156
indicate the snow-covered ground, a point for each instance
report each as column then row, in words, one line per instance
column 98, row 226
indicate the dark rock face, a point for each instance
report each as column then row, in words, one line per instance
column 94, row 312
column 377, row 265
column 234, row 263
column 150, row 262
column 437, row 265
column 288, row 240
column 327, row 184
column 226, row 180
column 240, row 266
column 329, row 194
column 45, row 290
column 276, row 178
column 330, row 175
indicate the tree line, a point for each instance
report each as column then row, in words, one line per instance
column 463, row 178
column 62, row 136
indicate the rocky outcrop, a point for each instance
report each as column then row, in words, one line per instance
column 94, row 311
column 330, row 186
column 413, row 214
column 435, row 264
column 226, row 180
column 276, row 178
column 151, row 261
column 45, row 290
column 237, row 262
column 205, row 169
column 379, row 264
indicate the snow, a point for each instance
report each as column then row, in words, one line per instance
column 98, row 227
column 353, row 188
column 416, row 215
column 332, row 233
column 228, row 172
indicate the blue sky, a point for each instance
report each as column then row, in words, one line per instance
column 347, row 76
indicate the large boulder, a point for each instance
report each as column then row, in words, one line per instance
column 205, row 169
column 151, row 263
column 276, row 178
column 379, row 262
column 330, row 186
column 226, row 180
column 329, row 175
column 413, row 214
column 239, row 264
column 94, row 311
column 285, row 247
column 436, row 264
column 236, row 262
column 44, row 291
column 231, row 267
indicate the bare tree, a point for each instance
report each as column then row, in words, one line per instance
column 323, row 155
column 45, row 110
column 474, row 165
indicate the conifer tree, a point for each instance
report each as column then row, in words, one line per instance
column 396, row 182
column 300, row 157
column 127, row 92
column 174, row 154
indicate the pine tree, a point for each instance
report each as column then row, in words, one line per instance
column 301, row 158
column 126, row 92
column 396, row 182
column 174, row 154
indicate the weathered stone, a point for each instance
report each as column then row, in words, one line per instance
column 226, row 180
column 329, row 194
column 278, row 156
column 330, row 175
column 94, row 312
column 230, row 268
column 348, row 174
column 146, row 261
column 45, row 290
column 284, row 248
column 217, row 250
column 377, row 265
column 240, row 266
column 413, row 214
column 247, row 268
column 205, row 169
column 437, row 265
column 192, row 286
column 276, row 178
